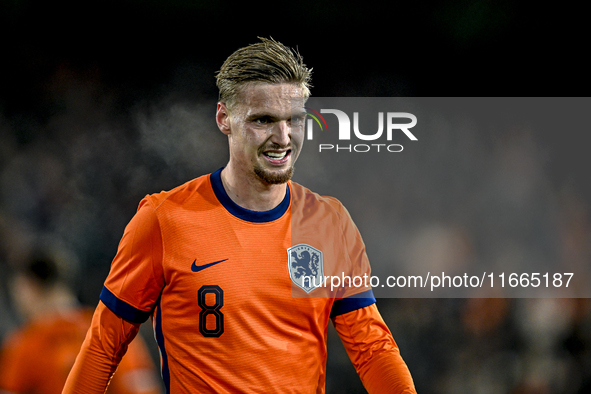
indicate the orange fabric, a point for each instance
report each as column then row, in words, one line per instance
column 373, row 351
column 219, row 291
column 38, row 357
column 269, row 339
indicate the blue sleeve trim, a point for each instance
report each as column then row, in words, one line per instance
column 122, row 308
column 350, row 304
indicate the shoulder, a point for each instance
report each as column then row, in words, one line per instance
column 15, row 341
column 308, row 203
column 311, row 207
column 26, row 337
column 189, row 192
column 69, row 321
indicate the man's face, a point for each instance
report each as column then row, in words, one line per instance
column 264, row 139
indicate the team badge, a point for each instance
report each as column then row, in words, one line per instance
column 305, row 267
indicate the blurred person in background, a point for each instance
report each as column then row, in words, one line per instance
column 37, row 358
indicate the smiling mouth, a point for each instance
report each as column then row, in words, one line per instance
column 276, row 157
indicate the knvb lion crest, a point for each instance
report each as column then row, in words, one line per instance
column 305, row 267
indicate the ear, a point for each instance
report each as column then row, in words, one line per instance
column 222, row 117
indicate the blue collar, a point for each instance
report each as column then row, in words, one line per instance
column 243, row 213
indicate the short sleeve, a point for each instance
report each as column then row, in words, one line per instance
column 136, row 278
column 359, row 293
column 356, row 255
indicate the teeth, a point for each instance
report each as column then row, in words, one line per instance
column 276, row 155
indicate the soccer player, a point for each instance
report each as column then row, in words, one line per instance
column 38, row 357
column 219, row 262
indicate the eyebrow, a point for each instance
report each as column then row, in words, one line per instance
column 261, row 115
column 258, row 115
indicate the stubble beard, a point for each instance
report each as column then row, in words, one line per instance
column 273, row 178
column 278, row 176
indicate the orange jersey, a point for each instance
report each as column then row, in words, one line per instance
column 222, row 284
column 37, row 358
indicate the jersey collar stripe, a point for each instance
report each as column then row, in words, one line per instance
column 242, row 213
column 122, row 308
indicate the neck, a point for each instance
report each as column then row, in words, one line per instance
column 250, row 192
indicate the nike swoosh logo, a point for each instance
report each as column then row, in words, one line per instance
column 197, row 268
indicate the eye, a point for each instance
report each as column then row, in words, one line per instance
column 262, row 120
column 297, row 120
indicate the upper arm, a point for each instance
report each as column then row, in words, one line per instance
column 105, row 344
column 136, row 277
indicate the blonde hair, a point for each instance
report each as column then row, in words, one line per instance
column 267, row 61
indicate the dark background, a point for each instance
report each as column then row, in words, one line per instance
column 94, row 97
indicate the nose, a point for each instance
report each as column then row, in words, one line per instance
column 281, row 133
